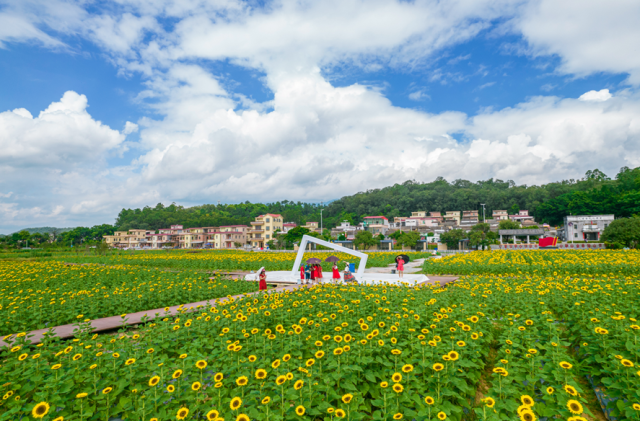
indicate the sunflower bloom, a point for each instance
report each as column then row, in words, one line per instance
column 235, row 403
column 182, row 413
column 575, row 407
column 40, row 410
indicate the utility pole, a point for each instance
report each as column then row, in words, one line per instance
column 484, row 218
column 321, row 209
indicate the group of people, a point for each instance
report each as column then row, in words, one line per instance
column 312, row 273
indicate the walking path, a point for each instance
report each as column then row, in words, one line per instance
column 114, row 322
column 411, row 267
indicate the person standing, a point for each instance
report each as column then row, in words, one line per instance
column 262, row 285
column 313, row 271
column 302, row 274
column 336, row 273
column 320, row 276
column 307, row 274
column 400, row 265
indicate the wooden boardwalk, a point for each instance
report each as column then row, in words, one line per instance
column 115, row 322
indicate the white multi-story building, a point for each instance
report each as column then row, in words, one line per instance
column 585, row 227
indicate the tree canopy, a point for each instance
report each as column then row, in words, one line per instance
column 624, row 231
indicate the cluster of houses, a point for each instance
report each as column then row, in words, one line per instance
column 266, row 227
column 261, row 231
column 431, row 225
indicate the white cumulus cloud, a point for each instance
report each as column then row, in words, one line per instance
column 598, row 96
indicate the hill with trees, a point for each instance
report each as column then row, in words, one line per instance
column 595, row 193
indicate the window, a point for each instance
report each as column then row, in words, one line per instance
column 575, row 235
column 267, row 219
column 267, row 235
column 268, row 228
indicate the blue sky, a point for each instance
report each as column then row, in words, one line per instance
column 163, row 101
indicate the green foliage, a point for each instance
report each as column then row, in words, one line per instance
column 294, row 235
column 408, row 238
column 481, row 235
column 452, row 238
column 624, row 231
column 596, row 196
column 481, row 227
column 508, row 224
column 365, row 239
column 160, row 216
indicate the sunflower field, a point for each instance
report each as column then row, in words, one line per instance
column 228, row 260
column 539, row 262
column 38, row 295
column 486, row 348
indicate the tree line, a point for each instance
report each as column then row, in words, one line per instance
column 595, row 193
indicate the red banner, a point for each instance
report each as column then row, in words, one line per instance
column 547, row 241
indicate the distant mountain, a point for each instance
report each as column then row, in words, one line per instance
column 45, row 230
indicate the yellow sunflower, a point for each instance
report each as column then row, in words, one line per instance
column 235, row 403
column 407, row 368
column 182, row 413
column 40, row 410
column 575, row 407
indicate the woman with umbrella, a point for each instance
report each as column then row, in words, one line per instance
column 336, row 273
column 262, row 285
column 319, row 273
column 400, row 261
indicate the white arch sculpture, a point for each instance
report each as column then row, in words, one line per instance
column 306, row 239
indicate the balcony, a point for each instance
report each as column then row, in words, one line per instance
column 257, row 222
column 256, row 231
column 591, row 228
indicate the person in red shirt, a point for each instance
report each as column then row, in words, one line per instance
column 302, row 280
column 319, row 274
column 400, row 266
column 262, row 285
column 336, row 273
